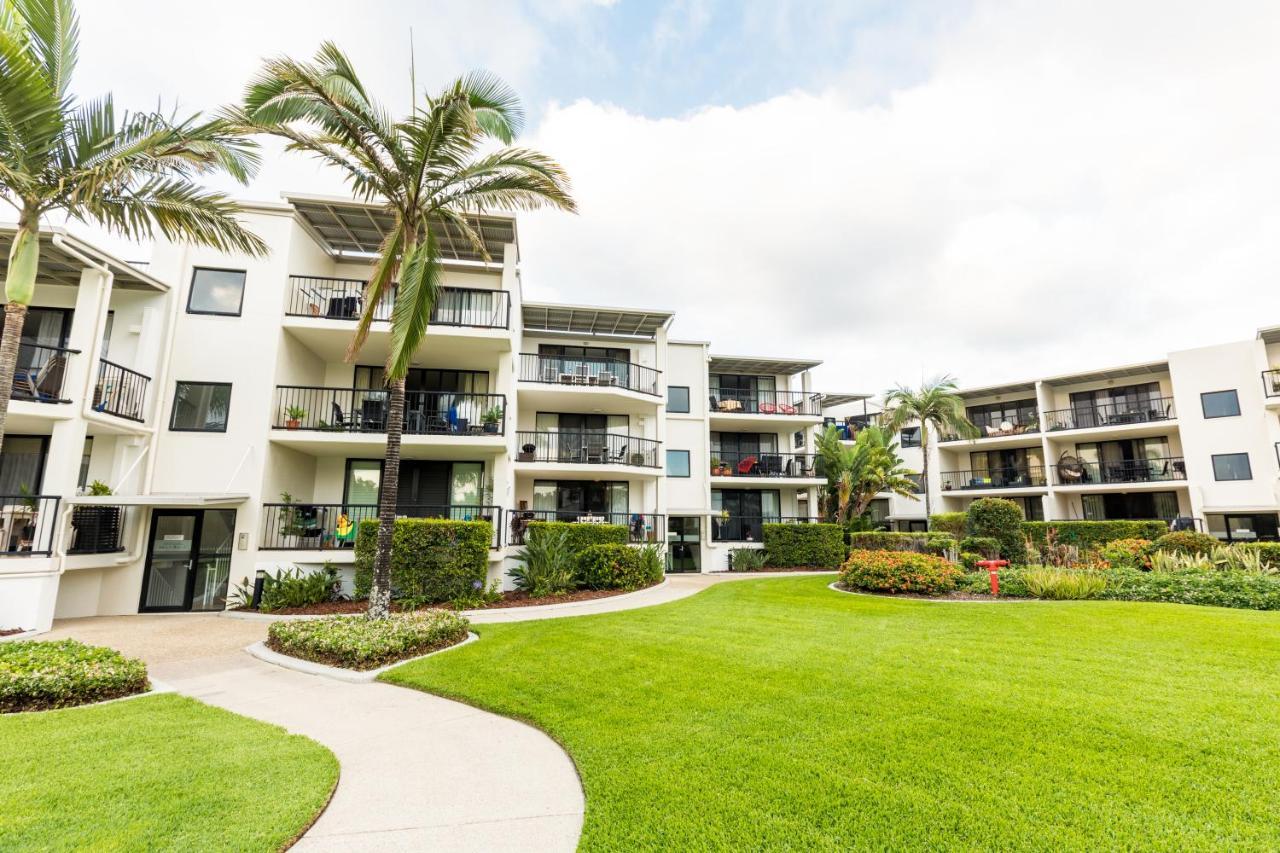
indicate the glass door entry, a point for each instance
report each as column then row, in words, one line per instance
column 188, row 560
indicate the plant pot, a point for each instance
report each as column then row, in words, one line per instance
column 524, row 456
column 637, row 458
column 491, row 428
column 292, row 424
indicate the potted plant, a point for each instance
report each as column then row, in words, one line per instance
column 293, row 416
column 716, row 467
column 491, row 418
column 527, row 452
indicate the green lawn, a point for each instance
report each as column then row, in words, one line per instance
column 782, row 714
column 156, row 773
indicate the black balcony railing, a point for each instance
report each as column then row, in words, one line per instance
column 1016, row 477
column 120, row 391
column 762, row 464
column 1027, row 423
column 40, row 373
column 343, row 299
column 749, row 528
column 1091, row 415
column 308, row 407
column 27, row 524
column 734, row 402
column 588, row 447
column 642, row 527
column 301, row 526
column 97, row 530
column 1271, row 382
column 596, row 372
column 1078, row 473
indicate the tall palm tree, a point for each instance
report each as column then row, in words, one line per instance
column 856, row 474
column 429, row 171
column 935, row 404
column 133, row 175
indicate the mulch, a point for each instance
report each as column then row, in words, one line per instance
column 9, row 632
column 956, row 595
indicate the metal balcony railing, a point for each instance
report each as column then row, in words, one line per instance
column 343, row 299
column 642, row 527
column 1016, row 477
column 594, row 372
column 588, row 447
column 309, row 407
column 27, row 524
column 762, row 464
column 1027, row 422
column 1125, row 471
column 1089, row 416
column 97, row 530
column 120, row 391
column 749, row 528
column 302, row 526
column 40, row 373
column 734, row 402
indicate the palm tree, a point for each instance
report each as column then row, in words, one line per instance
column 429, row 171
column 132, row 175
column 856, row 474
column 935, row 404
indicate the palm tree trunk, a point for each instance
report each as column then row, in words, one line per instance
column 924, row 472
column 19, row 288
column 380, row 592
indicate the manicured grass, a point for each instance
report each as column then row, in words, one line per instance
column 156, row 773
column 781, row 714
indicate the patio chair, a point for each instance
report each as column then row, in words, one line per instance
column 373, row 415
column 339, row 419
column 770, row 465
column 344, row 307
column 595, row 451
column 768, row 408
column 786, row 409
column 47, row 385
column 746, row 466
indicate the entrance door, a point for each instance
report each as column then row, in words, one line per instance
column 188, row 560
column 684, row 548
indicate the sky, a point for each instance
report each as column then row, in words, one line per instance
column 901, row 189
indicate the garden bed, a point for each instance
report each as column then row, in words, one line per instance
column 358, row 643
column 954, row 595
column 36, row 676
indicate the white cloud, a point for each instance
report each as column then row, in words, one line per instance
column 1068, row 186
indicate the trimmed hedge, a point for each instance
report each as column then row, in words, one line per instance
column 579, row 536
column 999, row 519
column 63, row 673
column 358, row 642
column 1086, row 535
column 987, row 546
column 432, row 559
column 899, row 571
column 955, row 523
column 817, row 544
column 933, row 542
column 614, row 566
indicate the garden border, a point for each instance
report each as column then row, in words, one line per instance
column 1004, row 599
column 157, row 688
column 260, row 651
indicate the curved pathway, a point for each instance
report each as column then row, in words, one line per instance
column 417, row 771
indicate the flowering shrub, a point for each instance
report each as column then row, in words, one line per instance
column 1186, row 542
column 358, row 642
column 1129, row 553
column 899, row 571
column 62, row 673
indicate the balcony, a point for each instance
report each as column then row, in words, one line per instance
column 364, row 410
column 1092, row 416
column 749, row 528
column 120, row 391
column 641, row 527
column 328, row 527
column 1271, row 383
column 726, row 401
column 599, row 373
column 27, row 524
column 343, row 299
column 1018, row 477
column 1126, row 471
column 763, row 464
column 97, row 530
column 1027, row 423
column 587, row 447
column 40, row 373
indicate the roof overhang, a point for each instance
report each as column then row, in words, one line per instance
column 1228, row 510
column 746, row 364
column 1269, row 335
column 840, row 399
column 59, row 263
column 999, row 390
column 162, row 500
column 593, row 320
column 1128, row 371
column 345, row 227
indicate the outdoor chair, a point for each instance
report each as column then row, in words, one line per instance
column 768, row 408
column 344, row 307
column 373, row 415
column 339, row 419
column 47, row 384
column 746, row 466
column 786, row 409
column 771, row 465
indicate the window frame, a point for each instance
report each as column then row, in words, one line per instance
column 1248, row 464
column 191, row 289
column 688, row 463
column 902, row 437
column 173, row 409
column 688, row 399
column 1235, row 395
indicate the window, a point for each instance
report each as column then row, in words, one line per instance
column 1231, row 466
column 1220, row 404
column 22, row 464
column 83, row 480
column 363, row 486
column 910, row 437
column 216, row 292
column 201, row 407
column 677, row 463
column 677, row 398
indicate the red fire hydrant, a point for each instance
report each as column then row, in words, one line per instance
column 993, row 568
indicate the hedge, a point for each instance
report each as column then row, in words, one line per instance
column 1086, row 535
column 1186, row 542
column 614, row 566
column 987, row 546
column 1215, row 588
column 62, row 673
column 432, row 559
column 999, row 519
column 818, row 545
column 358, row 642
column 899, row 571
column 579, row 536
column 955, row 523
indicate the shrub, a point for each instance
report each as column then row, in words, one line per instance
column 1127, row 553
column 1186, row 542
column 817, row 545
column 613, row 566
column 987, row 546
column 969, row 560
column 579, row 536
column 1173, row 561
column 653, row 561
column 1060, row 584
column 358, row 642
column 1011, row 583
column 1088, row 535
column 1218, row 589
column 479, row 596
column 883, row 540
column 899, row 571
column 63, row 673
column 747, row 559
column 1237, row 559
column 545, row 565
column 296, row 588
column 432, row 559
column 1269, row 551
column 953, row 523
column 1000, row 520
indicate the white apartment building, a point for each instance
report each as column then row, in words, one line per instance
column 212, row 394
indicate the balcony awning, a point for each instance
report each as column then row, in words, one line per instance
column 760, row 365
column 175, row 499
column 59, row 266
column 843, row 398
column 593, row 319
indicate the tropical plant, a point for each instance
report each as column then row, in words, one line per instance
column 99, row 489
column 858, row 472
column 132, row 174
column 747, row 559
column 545, row 566
column 1064, row 585
column 935, row 405
column 430, row 171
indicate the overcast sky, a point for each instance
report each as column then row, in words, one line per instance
column 995, row 190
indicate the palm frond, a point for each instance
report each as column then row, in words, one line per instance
column 177, row 209
column 381, row 285
column 510, row 179
column 416, row 297
column 496, row 106
column 31, row 110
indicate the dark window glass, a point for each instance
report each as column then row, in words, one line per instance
column 22, row 464
column 910, row 437
column 216, row 292
column 201, row 407
column 1220, row 404
column 677, row 463
column 1231, row 466
column 677, row 398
